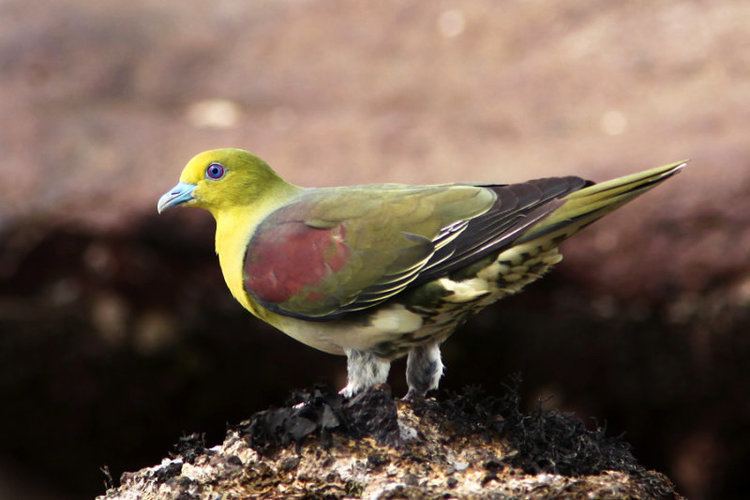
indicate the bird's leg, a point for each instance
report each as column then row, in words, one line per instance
column 364, row 370
column 423, row 370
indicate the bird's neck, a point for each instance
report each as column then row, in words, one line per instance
column 234, row 228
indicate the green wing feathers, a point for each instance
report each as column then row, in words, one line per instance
column 334, row 251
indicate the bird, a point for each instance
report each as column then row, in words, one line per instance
column 380, row 271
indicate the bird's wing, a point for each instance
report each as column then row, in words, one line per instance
column 337, row 250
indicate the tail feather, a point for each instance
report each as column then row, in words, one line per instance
column 589, row 204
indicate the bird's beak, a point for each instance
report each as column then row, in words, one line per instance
column 178, row 195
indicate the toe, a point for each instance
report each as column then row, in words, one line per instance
column 347, row 392
column 413, row 396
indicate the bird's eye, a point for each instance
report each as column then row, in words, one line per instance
column 215, row 171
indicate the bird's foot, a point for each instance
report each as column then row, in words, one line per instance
column 414, row 396
column 423, row 371
column 348, row 391
column 364, row 370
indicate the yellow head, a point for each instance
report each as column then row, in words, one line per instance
column 220, row 179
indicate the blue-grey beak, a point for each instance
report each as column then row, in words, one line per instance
column 178, row 195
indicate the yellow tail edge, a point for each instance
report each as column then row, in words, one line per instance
column 587, row 205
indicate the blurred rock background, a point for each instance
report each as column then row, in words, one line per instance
column 117, row 335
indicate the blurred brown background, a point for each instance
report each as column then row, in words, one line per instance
column 117, row 334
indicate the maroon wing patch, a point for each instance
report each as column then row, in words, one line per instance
column 285, row 258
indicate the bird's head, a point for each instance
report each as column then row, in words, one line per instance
column 221, row 179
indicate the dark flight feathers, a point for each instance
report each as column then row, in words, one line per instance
column 518, row 207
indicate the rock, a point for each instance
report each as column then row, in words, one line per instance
column 468, row 445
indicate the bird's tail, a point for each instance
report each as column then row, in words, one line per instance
column 587, row 205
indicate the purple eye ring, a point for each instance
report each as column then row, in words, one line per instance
column 215, row 171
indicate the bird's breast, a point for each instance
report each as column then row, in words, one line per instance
column 234, row 229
